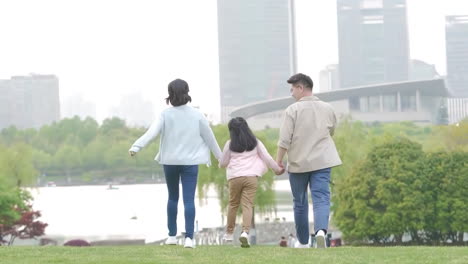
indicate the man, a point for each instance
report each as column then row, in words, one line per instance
column 306, row 136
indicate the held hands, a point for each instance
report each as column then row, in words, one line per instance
column 282, row 169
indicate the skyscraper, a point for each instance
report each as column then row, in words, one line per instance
column 372, row 41
column 256, row 51
column 328, row 78
column 77, row 106
column 30, row 101
column 135, row 110
column 456, row 37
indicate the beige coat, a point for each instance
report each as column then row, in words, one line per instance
column 306, row 132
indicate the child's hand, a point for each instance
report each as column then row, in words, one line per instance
column 280, row 172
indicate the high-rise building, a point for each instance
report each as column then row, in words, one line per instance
column 77, row 106
column 6, row 112
column 456, row 37
column 32, row 101
column 457, row 109
column 372, row 42
column 256, row 51
column 328, row 78
column 135, row 110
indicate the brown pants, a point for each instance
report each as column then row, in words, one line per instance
column 241, row 191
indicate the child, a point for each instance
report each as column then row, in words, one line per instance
column 246, row 159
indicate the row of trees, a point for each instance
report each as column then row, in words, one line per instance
column 76, row 151
column 391, row 187
column 82, row 151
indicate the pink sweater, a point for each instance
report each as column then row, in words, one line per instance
column 247, row 163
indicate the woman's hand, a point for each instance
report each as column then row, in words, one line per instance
column 132, row 153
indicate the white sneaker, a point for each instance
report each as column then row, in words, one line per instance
column 228, row 237
column 320, row 241
column 171, row 240
column 299, row 245
column 188, row 243
column 244, row 239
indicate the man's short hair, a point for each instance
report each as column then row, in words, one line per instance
column 303, row 79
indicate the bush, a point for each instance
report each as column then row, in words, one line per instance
column 77, row 243
column 398, row 189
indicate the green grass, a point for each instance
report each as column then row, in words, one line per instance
column 229, row 254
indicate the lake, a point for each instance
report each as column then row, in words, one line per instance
column 126, row 212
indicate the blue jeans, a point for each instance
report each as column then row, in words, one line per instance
column 319, row 183
column 188, row 174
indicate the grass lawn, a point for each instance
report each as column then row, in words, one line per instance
column 229, row 254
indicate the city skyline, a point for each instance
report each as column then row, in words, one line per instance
column 134, row 50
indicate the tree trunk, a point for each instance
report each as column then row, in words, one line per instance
column 415, row 236
column 12, row 240
column 399, row 238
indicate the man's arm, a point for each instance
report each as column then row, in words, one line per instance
column 280, row 156
column 285, row 137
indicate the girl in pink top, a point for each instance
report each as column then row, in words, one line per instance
column 246, row 159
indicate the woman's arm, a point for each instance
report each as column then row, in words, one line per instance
column 149, row 135
column 226, row 156
column 207, row 134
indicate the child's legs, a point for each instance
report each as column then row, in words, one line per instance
column 235, row 189
column 248, row 196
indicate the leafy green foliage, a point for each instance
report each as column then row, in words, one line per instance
column 398, row 189
column 75, row 151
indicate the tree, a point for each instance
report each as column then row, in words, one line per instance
column 88, row 131
column 16, row 216
column 113, row 125
column 10, row 200
column 17, row 166
column 17, row 219
column 382, row 196
column 26, row 227
column 448, row 138
column 442, row 115
column 446, row 199
column 68, row 158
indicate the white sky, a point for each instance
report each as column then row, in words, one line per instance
column 106, row 49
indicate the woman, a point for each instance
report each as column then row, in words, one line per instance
column 186, row 141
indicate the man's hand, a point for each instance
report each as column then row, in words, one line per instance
column 281, row 171
column 132, row 153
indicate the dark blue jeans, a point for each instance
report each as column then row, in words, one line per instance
column 188, row 174
column 319, row 183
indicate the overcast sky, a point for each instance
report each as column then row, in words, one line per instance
column 106, row 49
